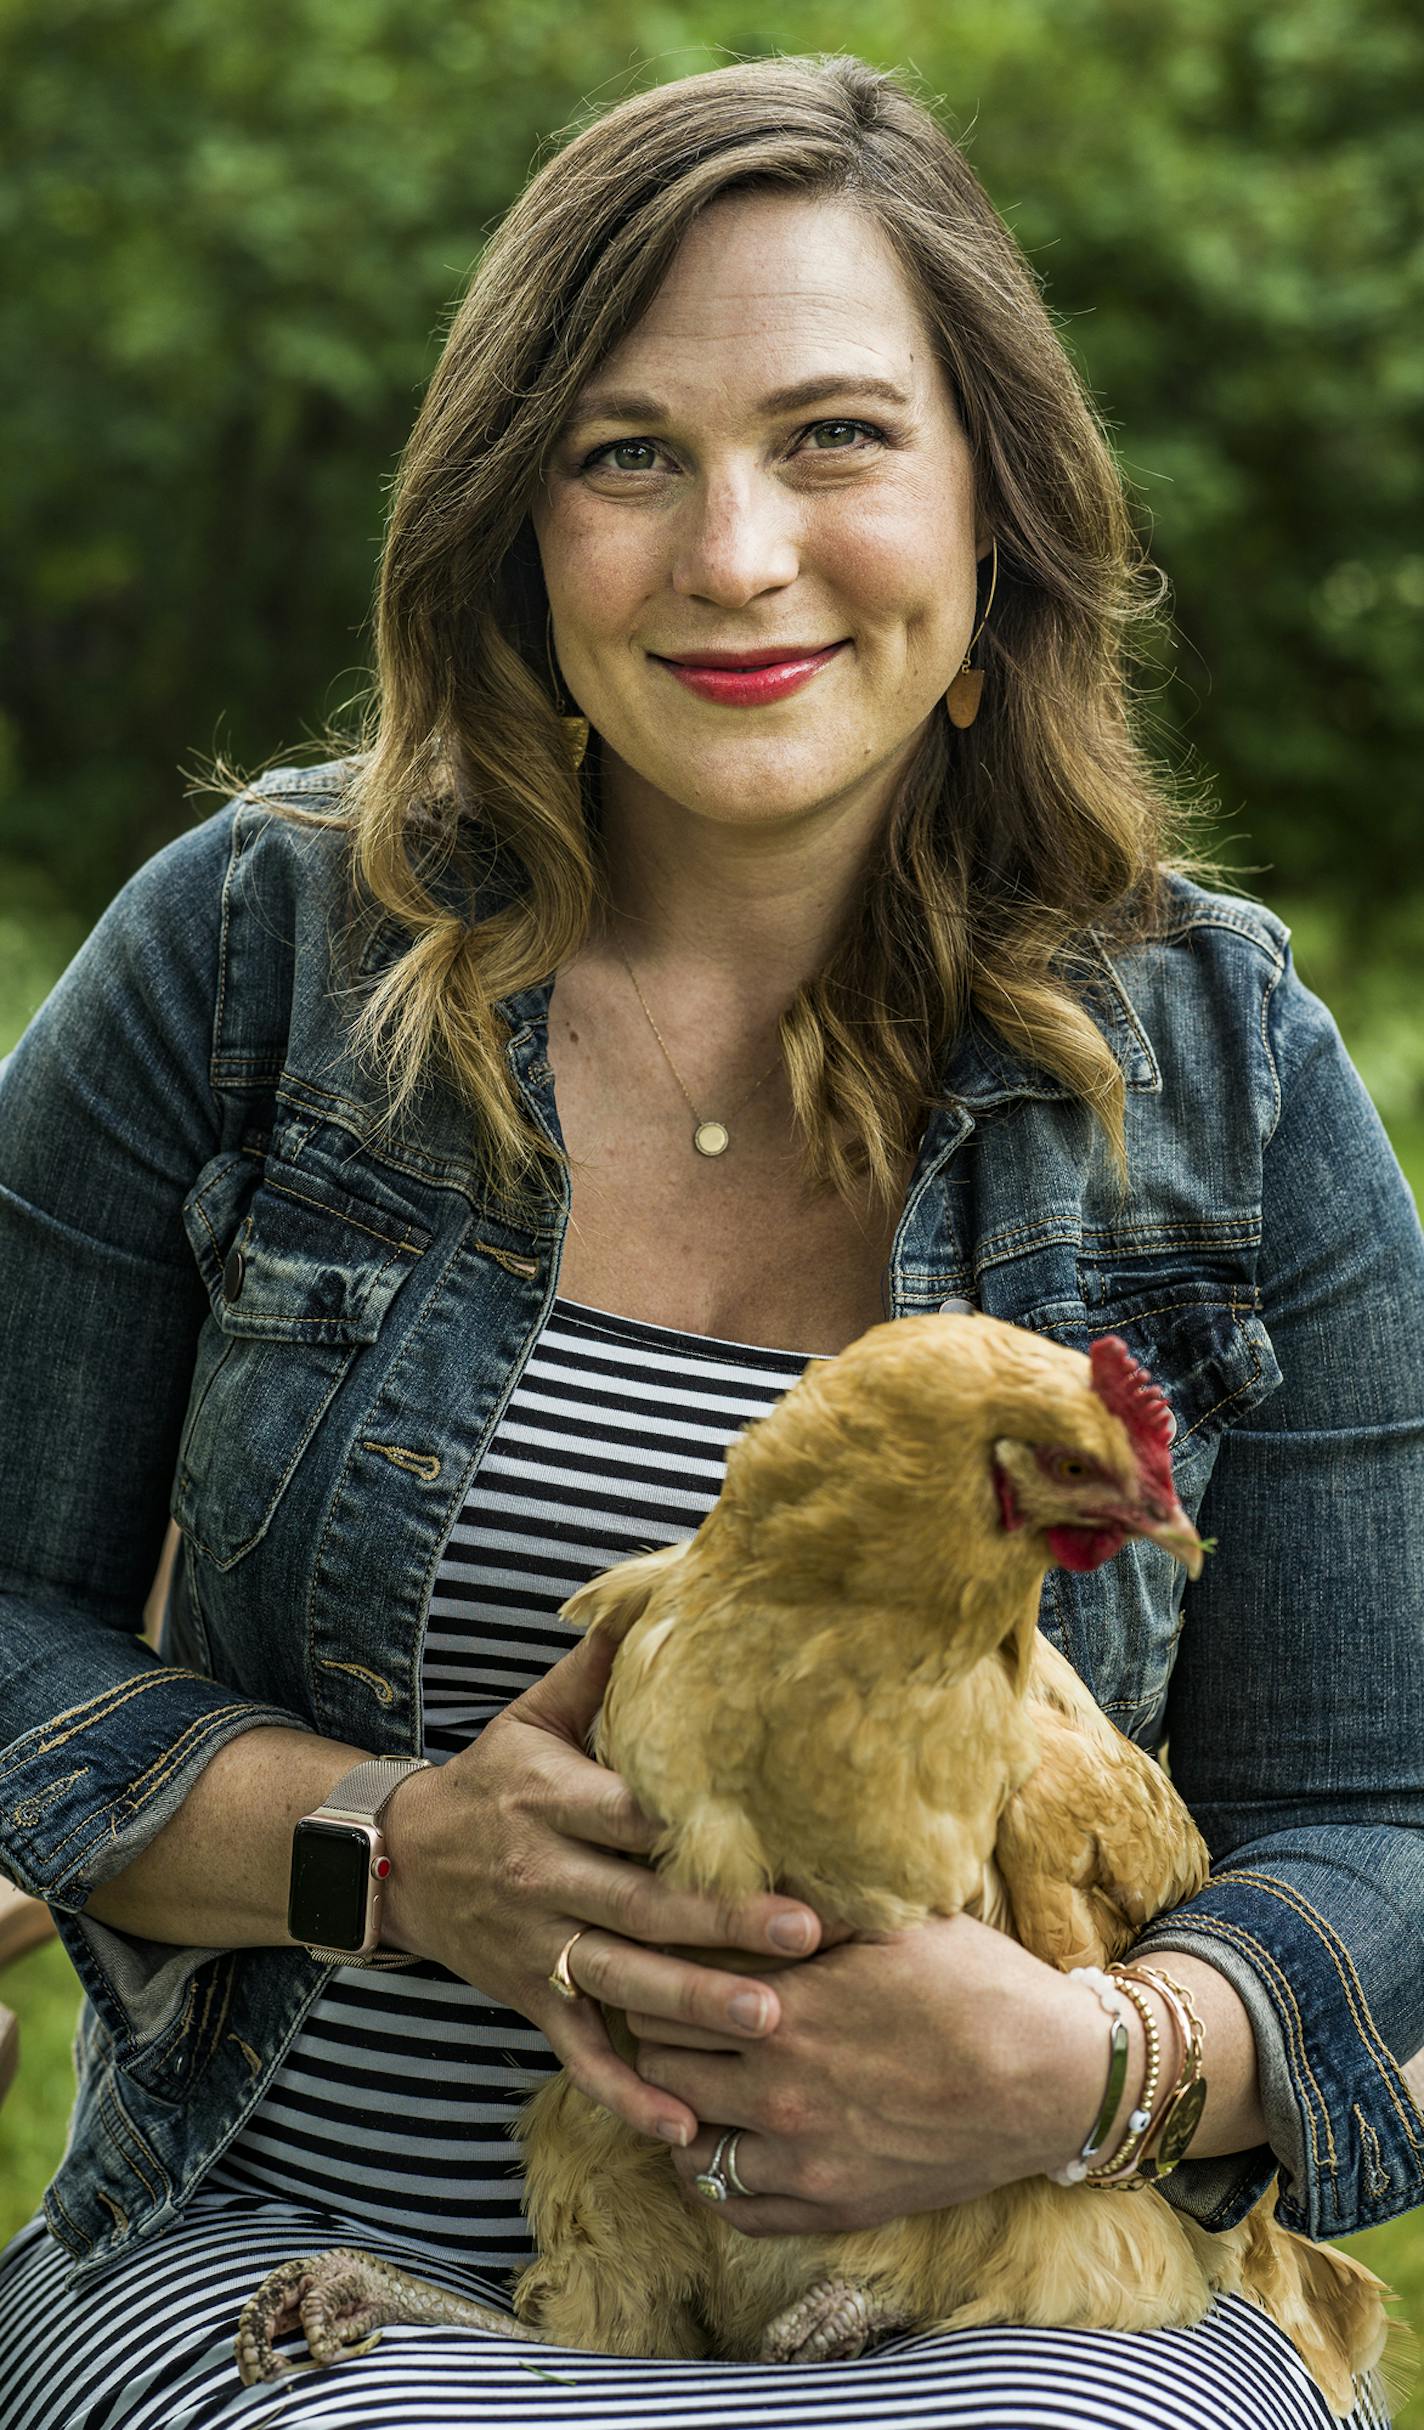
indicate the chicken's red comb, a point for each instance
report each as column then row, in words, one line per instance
column 1123, row 1384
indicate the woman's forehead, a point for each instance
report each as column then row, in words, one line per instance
column 771, row 304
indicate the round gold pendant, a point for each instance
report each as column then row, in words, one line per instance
column 711, row 1139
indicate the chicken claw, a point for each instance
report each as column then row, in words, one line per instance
column 831, row 2323
column 343, row 2299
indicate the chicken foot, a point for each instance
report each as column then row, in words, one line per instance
column 832, row 2322
column 343, row 2299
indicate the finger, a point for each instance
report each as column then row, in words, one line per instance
column 579, row 2037
column 668, row 1990
column 641, row 1906
column 683, row 2037
column 753, row 2157
column 597, row 1805
column 570, row 1692
column 712, row 2084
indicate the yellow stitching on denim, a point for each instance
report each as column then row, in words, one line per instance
column 202, row 1214
column 1375, row 2170
column 52, row 2201
column 99, row 1708
column 1231, row 1233
column 162, row 1766
column 1236, row 1933
column 227, row 1982
column 114, row 2129
column 121, row 2217
column 407, row 1246
column 380, row 1687
column 1272, row 1066
column 208, row 1990
column 1352, row 1987
column 155, row 1777
column 30, row 1810
column 1234, row 1395
column 524, row 1266
column 248, row 1330
column 250, row 2055
column 420, row 1463
column 165, row 2185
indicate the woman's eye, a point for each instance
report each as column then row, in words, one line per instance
column 648, row 447
column 617, row 447
column 868, row 427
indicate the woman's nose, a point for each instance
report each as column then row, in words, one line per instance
column 736, row 537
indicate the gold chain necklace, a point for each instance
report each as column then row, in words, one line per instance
column 709, row 1138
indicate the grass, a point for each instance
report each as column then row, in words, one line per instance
column 42, row 1989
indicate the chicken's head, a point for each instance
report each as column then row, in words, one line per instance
column 1101, row 1475
column 953, row 1452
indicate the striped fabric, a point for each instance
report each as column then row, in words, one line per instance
column 394, row 2103
column 388, row 2123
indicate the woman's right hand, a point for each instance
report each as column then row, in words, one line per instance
column 519, row 1840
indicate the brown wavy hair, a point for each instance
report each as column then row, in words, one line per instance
column 1005, row 844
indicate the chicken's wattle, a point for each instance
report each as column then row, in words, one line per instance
column 1083, row 1548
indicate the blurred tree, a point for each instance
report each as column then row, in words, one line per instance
column 242, row 232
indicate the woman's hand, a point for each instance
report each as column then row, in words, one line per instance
column 905, row 2075
column 520, row 1840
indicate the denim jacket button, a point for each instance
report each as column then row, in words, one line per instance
column 956, row 1307
column 233, row 1273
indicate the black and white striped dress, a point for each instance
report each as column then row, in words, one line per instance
column 388, row 2123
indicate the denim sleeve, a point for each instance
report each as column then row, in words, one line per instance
column 1296, row 1711
column 106, row 1115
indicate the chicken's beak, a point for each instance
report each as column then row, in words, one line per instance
column 1161, row 1518
column 1180, row 1539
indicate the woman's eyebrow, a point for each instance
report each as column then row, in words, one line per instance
column 635, row 405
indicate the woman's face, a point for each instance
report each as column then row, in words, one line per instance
column 687, row 508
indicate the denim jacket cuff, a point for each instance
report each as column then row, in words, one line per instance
column 1345, row 2134
column 79, row 1800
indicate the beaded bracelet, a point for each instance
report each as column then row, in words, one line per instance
column 1165, row 2146
column 1110, row 2001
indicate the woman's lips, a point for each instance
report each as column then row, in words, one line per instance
column 739, row 687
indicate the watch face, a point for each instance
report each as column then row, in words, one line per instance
column 330, row 1870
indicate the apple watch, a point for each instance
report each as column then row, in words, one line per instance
column 340, row 1865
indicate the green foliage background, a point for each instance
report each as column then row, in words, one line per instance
column 241, row 232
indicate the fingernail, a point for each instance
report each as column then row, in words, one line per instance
column 672, row 2130
column 748, row 2008
column 791, row 1932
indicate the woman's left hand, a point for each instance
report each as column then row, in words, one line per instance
column 891, row 2077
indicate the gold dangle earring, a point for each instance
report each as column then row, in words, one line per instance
column 962, row 698
column 576, row 727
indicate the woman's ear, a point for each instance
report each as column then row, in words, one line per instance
column 619, row 1596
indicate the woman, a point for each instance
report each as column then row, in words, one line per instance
column 536, row 1098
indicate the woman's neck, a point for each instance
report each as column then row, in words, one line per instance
column 725, row 901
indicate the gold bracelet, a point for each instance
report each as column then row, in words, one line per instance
column 1166, row 2146
column 1116, row 2172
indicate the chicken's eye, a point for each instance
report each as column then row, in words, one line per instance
column 1068, row 1468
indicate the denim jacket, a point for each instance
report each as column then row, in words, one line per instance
column 227, row 1294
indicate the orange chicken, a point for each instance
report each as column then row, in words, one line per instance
column 838, row 1689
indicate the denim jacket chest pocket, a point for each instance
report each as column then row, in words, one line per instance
column 300, row 1274
column 1192, row 1320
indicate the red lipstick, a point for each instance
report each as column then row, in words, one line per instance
column 743, row 679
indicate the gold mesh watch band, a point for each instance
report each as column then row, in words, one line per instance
column 362, row 1795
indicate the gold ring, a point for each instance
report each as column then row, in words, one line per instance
column 561, row 1979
